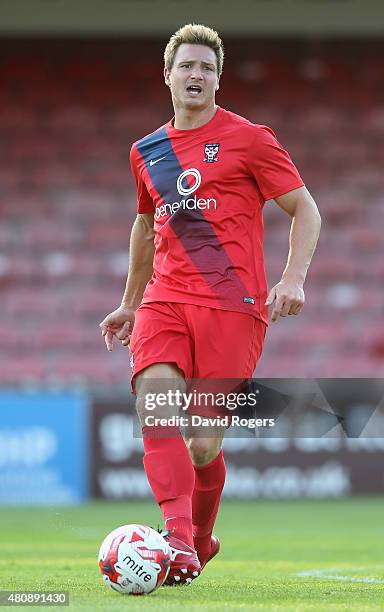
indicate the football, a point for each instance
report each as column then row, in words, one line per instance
column 134, row 559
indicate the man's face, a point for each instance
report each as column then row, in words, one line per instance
column 193, row 79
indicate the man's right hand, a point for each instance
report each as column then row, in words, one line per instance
column 118, row 323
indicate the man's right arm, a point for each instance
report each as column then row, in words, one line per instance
column 141, row 253
column 120, row 322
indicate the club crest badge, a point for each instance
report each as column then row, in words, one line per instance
column 211, row 152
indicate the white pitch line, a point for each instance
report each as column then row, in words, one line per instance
column 323, row 574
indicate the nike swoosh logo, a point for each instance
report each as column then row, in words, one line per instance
column 154, row 161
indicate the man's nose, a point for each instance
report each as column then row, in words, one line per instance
column 196, row 72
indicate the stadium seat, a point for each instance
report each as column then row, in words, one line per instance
column 67, row 199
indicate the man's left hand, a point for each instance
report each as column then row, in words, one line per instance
column 288, row 297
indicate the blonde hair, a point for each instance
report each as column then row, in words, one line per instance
column 194, row 34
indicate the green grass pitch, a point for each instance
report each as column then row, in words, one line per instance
column 265, row 547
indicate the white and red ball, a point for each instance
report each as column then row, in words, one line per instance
column 134, row 559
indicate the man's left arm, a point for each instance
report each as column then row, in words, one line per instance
column 288, row 294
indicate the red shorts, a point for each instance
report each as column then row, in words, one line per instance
column 203, row 342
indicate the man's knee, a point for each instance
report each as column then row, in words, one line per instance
column 203, row 450
column 157, row 388
column 158, row 372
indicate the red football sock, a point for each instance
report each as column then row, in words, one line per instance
column 171, row 476
column 209, row 483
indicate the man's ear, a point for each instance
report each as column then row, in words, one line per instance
column 166, row 77
column 217, row 84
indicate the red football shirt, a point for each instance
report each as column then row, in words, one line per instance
column 207, row 187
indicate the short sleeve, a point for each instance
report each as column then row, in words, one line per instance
column 271, row 165
column 144, row 200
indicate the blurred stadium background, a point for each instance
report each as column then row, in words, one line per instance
column 80, row 81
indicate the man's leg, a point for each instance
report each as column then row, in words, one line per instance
column 227, row 347
column 162, row 358
column 208, row 461
column 166, row 459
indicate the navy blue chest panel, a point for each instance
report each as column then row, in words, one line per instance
column 161, row 163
